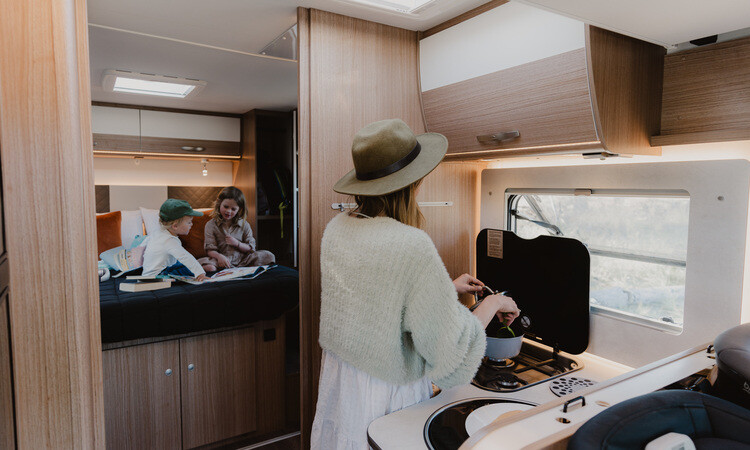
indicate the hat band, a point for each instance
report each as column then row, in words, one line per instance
column 391, row 168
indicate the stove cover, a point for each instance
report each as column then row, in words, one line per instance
column 548, row 277
column 446, row 427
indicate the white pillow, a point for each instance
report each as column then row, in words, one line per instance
column 131, row 226
column 151, row 220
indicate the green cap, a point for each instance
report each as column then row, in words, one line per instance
column 173, row 209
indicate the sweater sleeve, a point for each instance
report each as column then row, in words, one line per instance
column 175, row 249
column 247, row 235
column 444, row 332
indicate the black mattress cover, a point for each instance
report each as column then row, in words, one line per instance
column 186, row 308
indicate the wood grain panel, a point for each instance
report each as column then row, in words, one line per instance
column 461, row 18
column 546, row 101
column 706, row 91
column 352, row 72
column 218, row 394
column 7, row 425
column 159, row 108
column 269, row 376
column 245, row 178
column 308, row 341
column 174, row 147
column 116, row 143
column 142, row 402
column 45, row 128
column 453, row 229
column 625, row 78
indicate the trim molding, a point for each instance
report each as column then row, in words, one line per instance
column 462, row 18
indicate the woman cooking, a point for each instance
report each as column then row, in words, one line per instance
column 390, row 320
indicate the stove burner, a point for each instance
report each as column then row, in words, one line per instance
column 499, row 364
column 533, row 365
column 508, row 381
column 566, row 385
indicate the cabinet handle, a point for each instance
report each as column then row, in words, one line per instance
column 191, row 366
column 498, row 137
column 168, row 372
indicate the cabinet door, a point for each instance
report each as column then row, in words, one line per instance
column 218, row 386
column 7, row 429
column 142, row 396
column 184, row 134
column 116, row 129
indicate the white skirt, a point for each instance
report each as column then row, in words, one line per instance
column 349, row 399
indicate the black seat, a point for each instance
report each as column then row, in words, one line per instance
column 711, row 422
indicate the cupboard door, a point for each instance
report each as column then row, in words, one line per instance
column 115, row 129
column 218, row 386
column 7, row 428
column 142, row 396
column 190, row 134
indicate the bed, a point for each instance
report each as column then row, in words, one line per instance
column 185, row 308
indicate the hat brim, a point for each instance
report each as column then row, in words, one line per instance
column 194, row 213
column 434, row 146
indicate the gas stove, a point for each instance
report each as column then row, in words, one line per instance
column 535, row 364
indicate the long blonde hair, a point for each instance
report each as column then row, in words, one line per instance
column 400, row 205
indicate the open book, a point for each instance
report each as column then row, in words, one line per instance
column 228, row 274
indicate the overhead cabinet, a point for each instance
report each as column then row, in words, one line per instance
column 518, row 80
column 163, row 133
column 706, row 95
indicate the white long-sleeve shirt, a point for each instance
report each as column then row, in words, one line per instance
column 163, row 249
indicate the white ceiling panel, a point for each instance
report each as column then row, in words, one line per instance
column 246, row 25
column 664, row 22
column 237, row 83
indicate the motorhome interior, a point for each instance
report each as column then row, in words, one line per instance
column 597, row 171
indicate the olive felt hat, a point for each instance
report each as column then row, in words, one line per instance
column 173, row 209
column 388, row 156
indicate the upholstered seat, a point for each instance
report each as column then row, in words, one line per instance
column 711, row 422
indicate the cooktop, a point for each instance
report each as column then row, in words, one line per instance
column 533, row 365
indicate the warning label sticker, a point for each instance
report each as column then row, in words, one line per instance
column 495, row 244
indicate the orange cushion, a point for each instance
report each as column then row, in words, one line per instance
column 108, row 231
column 193, row 241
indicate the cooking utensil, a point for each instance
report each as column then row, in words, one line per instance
column 499, row 348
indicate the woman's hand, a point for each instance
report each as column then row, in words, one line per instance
column 232, row 241
column 496, row 305
column 507, row 310
column 222, row 261
column 466, row 284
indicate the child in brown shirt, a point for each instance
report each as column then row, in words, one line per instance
column 228, row 238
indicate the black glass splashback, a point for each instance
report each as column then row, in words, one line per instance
column 548, row 277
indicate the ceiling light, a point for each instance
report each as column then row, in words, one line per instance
column 150, row 84
column 205, row 170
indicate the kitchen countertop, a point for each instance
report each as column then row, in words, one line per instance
column 405, row 429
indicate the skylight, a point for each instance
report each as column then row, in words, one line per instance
column 406, row 6
column 150, row 84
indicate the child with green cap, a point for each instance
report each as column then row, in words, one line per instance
column 164, row 254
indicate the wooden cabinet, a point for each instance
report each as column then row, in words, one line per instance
column 195, row 390
column 706, row 95
column 142, row 396
column 218, row 386
column 148, row 132
column 542, row 84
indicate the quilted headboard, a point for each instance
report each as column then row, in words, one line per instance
column 114, row 198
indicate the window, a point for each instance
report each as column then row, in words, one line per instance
column 637, row 242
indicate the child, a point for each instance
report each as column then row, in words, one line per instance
column 228, row 237
column 164, row 254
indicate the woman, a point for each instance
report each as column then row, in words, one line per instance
column 390, row 321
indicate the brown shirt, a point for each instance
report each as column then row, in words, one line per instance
column 215, row 239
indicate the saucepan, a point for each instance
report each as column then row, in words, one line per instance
column 503, row 342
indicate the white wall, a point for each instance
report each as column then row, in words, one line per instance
column 160, row 172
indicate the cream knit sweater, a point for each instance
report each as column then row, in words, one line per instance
column 388, row 306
